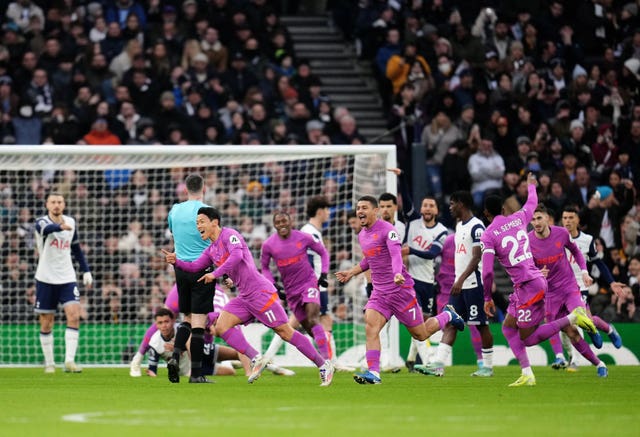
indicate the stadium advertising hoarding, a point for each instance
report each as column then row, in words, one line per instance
column 128, row 335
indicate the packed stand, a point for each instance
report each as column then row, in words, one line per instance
column 494, row 90
column 147, row 73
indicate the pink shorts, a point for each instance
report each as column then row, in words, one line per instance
column 560, row 303
column 264, row 306
column 402, row 304
column 526, row 303
column 171, row 300
column 297, row 299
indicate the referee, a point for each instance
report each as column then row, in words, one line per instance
column 195, row 299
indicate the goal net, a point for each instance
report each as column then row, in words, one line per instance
column 120, row 197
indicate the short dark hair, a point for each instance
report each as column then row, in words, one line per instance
column 388, row 196
column 351, row 214
column 541, row 208
column 315, row 203
column 210, row 212
column 571, row 209
column 372, row 200
column 493, row 204
column 194, row 183
column 54, row 193
column 463, row 197
column 278, row 212
column 164, row 312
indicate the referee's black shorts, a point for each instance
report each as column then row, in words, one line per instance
column 194, row 297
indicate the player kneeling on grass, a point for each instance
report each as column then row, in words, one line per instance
column 161, row 347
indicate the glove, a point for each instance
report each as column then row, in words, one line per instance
column 87, row 279
column 322, row 281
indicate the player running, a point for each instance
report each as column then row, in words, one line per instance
column 257, row 297
column 506, row 237
column 288, row 248
column 393, row 292
column 586, row 244
column 548, row 244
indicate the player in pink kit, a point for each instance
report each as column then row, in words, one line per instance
column 288, row 248
column 393, row 292
column 548, row 244
column 257, row 297
column 506, row 237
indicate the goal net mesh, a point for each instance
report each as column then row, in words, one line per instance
column 120, row 198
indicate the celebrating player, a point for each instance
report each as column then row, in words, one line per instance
column 548, row 244
column 586, row 244
column 288, row 248
column 393, row 292
column 56, row 239
column 506, row 237
column 466, row 292
column 257, row 297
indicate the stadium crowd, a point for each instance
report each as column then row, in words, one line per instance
column 491, row 89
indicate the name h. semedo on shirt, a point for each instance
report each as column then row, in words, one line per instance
column 505, row 227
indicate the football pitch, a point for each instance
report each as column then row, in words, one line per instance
column 106, row 401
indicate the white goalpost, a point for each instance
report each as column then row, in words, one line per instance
column 120, row 197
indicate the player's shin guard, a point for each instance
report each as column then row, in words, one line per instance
column 182, row 336
column 517, row 345
column 556, row 345
column 320, row 337
column 601, row 324
column 584, row 349
column 373, row 360
column 46, row 342
column 303, row 344
column 197, row 351
column 476, row 341
column 234, row 338
column 70, row 344
column 545, row 331
column 144, row 345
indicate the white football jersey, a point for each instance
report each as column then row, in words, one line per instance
column 467, row 237
column 587, row 246
column 55, row 265
column 422, row 238
column 401, row 228
column 314, row 258
column 157, row 343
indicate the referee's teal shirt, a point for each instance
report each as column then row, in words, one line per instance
column 187, row 241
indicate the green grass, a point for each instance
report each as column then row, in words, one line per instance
column 108, row 402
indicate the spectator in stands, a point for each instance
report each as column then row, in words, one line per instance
column 100, row 134
column 400, row 66
column 348, row 133
column 486, row 168
column 438, row 138
column 21, row 11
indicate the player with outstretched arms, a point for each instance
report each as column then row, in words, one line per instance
column 549, row 246
column 288, row 248
column 257, row 297
column 393, row 292
column 56, row 239
column 506, row 238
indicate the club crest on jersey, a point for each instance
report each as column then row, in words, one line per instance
column 234, row 239
column 393, row 236
column 478, row 233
